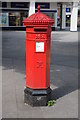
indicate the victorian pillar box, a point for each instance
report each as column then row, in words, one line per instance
column 38, row 43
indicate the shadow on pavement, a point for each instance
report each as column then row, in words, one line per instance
column 62, row 91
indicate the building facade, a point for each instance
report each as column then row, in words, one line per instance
column 14, row 11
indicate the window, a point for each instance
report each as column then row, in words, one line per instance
column 19, row 4
column 78, row 18
column 16, row 18
column 4, row 4
column 43, row 5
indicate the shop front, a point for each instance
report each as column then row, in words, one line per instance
column 16, row 18
column 68, row 16
column 17, row 11
column 48, row 9
column 4, row 21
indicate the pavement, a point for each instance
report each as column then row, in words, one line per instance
column 63, row 76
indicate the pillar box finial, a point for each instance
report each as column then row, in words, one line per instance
column 38, row 8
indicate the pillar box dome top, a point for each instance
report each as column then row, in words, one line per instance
column 38, row 19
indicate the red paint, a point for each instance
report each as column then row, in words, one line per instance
column 38, row 29
column 59, row 11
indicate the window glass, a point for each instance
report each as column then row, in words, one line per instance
column 4, row 21
column 78, row 18
column 43, row 5
column 19, row 4
column 4, row 4
column 16, row 18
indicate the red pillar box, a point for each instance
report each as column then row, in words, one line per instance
column 38, row 40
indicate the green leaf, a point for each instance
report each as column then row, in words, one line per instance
column 51, row 102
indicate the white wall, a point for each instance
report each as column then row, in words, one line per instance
column 63, row 16
column 74, row 17
column 55, row 24
column 8, row 4
column 53, row 5
column 32, row 7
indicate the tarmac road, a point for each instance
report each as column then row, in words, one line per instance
column 63, row 77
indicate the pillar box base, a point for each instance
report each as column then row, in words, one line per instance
column 37, row 97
